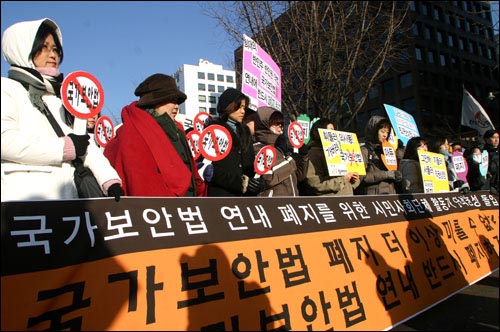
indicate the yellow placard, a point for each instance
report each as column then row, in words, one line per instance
column 434, row 172
column 342, row 152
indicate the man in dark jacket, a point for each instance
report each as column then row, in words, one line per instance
column 491, row 139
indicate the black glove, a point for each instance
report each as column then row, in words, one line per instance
column 395, row 175
column 256, row 185
column 458, row 184
column 116, row 191
column 81, row 142
column 303, row 149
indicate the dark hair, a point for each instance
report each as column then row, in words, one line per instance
column 44, row 30
column 276, row 119
column 411, row 150
column 320, row 124
column 489, row 133
column 436, row 144
column 384, row 123
column 470, row 151
column 234, row 106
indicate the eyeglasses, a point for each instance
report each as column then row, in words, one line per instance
column 47, row 49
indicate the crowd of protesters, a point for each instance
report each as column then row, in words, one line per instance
column 150, row 154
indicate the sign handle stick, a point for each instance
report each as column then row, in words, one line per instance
column 80, row 126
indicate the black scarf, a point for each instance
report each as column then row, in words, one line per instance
column 38, row 85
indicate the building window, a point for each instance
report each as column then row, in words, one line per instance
column 213, row 111
column 414, row 29
column 446, row 18
column 229, row 79
column 423, row 7
column 439, row 36
column 220, row 88
column 427, row 33
column 412, row 6
column 474, row 48
column 442, row 60
column 450, row 40
column 418, row 54
column 437, row 14
column 461, row 44
column 476, row 29
column 211, row 88
column 201, row 75
column 220, row 78
column 211, row 77
column 430, row 56
column 212, row 99
column 202, row 98
column 201, row 87
column 202, row 109
column 406, row 80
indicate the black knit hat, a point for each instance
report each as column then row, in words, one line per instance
column 158, row 89
column 227, row 97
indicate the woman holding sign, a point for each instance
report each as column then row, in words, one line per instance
column 476, row 179
column 36, row 162
column 410, row 166
column 281, row 179
column 234, row 175
column 379, row 179
column 318, row 180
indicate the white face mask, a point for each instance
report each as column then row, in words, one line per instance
column 477, row 158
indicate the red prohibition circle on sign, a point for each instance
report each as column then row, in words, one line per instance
column 296, row 134
column 82, row 94
column 265, row 159
column 199, row 121
column 104, row 130
column 193, row 139
column 215, row 142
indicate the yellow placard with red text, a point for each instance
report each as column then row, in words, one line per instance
column 342, row 152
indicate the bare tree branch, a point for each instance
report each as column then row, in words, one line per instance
column 327, row 50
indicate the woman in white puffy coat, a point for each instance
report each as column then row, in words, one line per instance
column 36, row 163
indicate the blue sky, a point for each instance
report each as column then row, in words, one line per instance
column 123, row 42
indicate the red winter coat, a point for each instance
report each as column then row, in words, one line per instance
column 146, row 160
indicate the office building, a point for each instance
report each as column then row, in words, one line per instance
column 203, row 84
column 452, row 46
